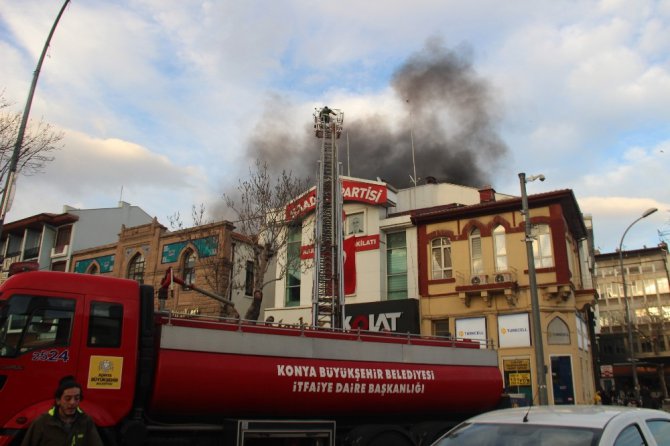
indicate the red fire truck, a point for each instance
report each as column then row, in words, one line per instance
column 151, row 377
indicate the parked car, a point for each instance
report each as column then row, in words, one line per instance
column 563, row 426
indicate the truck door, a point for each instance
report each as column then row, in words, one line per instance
column 108, row 355
column 38, row 346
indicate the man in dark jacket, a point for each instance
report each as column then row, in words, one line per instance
column 65, row 424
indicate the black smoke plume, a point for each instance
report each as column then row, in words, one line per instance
column 450, row 112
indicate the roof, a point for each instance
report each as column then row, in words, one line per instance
column 577, row 416
column 564, row 197
column 37, row 222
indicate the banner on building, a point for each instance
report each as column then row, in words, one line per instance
column 472, row 328
column 349, row 251
column 513, row 330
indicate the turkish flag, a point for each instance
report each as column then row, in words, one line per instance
column 349, row 249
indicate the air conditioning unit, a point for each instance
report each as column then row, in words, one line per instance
column 503, row 277
column 479, row 279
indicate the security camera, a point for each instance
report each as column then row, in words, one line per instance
column 541, row 177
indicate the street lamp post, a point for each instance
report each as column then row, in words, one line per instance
column 541, row 372
column 629, row 322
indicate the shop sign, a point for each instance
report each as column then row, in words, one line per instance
column 513, row 365
column 519, row 379
column 513, row 330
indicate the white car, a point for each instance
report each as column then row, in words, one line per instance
column 563, row 426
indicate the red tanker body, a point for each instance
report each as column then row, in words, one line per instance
column 157, row 377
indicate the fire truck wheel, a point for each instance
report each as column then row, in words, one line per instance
column 133, row 433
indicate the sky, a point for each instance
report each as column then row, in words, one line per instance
column 165, row 104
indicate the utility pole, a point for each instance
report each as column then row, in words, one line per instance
column 8, row 191
column 541, row 368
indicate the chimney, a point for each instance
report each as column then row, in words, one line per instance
column 487, row 194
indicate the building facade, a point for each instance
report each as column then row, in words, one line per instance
column 474, row 283
column 211, row 257
column 648, row 295
column 50, row 239
column 380, row 247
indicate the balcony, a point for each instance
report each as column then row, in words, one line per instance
column 31, row 253
column 60, row 251
column 488, row 284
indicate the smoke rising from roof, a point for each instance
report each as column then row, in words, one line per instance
column 448, row 107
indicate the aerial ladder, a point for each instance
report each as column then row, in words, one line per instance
column 328, row 289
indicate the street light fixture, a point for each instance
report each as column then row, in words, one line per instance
column 629, row 322
column 541, row 369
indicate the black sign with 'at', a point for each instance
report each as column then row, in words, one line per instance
column 398, row 316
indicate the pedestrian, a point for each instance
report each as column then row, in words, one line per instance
column 65, row 424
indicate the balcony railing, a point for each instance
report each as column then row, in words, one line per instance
column 59, row 251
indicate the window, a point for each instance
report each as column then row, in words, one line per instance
column 105, row 324
column 476, row 252
column 32, row 248
column 630, row 436
column 441, row 328
column 59, row 266
column 14, row 248
column 355, row 223
column 500, row 248
column 93, row 269
column 35, row 322
column 136, row 268
column 249, row 279
column 441, row 258
column 396, row 266
column 188, row 269
column 650, row 287
column 660, row 429
column 662, row 284
column 293, row 266
column 542, row 247
column 63, row 237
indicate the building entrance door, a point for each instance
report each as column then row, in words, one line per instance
column 561, row 376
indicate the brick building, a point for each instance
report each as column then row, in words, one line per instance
column 212, row 257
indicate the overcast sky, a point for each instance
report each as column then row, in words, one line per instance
column 164, row 103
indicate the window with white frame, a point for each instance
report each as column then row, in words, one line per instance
column 500, row 248
column 440, row 255
column 542, row 251
column 188, row 267
column 476, row 262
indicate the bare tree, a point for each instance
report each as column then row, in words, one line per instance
column 39, row 142
column 260, row 215
column 215, row 270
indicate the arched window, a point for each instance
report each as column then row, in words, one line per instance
column 440, row 249
column 500, row 248
column 188, row 267
column 93, row 269
column 476, row 262
column 558, row 332
column 542, row 247
column 136, row 268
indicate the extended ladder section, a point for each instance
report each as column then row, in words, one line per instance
column 328, row 290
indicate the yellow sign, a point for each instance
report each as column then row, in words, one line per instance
column 104, row 372
column 519, row 379
column 513, row 365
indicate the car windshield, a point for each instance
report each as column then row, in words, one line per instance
column 485, row 434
